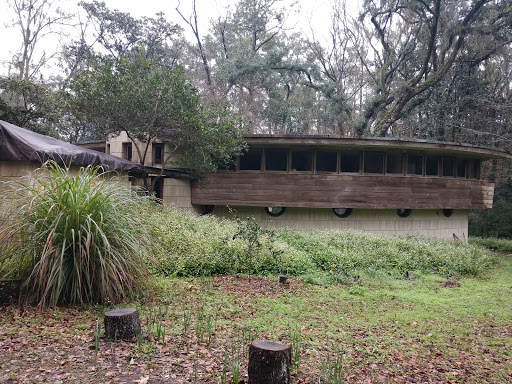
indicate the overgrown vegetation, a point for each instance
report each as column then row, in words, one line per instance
column 501, row 245
column 200, row 246
column 73, row 239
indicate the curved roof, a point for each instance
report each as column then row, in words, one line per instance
column 378, row 143
column 18, row 144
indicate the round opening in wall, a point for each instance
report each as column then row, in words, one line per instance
column 275, row 211
column 447, row 212
column 207, row 209
column 403, row 212
column 342, row 212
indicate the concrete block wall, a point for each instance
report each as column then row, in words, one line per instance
column 177, row 192
column 430, row 223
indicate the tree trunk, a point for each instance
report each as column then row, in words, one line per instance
column 122, row 324
column 269, row 362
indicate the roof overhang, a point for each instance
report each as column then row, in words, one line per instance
column 377, row 143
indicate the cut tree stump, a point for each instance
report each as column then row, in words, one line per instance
column 122, row 324
column 269, row 362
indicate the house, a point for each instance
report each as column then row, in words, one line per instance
column 23, row 151
column 382, row 185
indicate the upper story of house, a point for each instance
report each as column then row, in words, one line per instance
column 330, row 171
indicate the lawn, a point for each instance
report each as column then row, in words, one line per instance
column 378, row 329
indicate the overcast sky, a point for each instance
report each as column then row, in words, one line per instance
column 308, row 12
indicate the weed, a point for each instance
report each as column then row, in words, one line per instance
column 331, row 365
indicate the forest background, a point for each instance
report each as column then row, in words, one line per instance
column 424, row 69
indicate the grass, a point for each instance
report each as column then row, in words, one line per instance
column 359, row 307
column 392, row 330
column 73, row 239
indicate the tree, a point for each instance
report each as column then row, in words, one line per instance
column 30, row 104
column 35, row 19
column 420, row 41
column 149, row 101
column 119, row 34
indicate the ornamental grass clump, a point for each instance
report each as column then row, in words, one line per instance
column 73, row 239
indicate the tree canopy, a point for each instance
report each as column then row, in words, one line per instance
column 152, row 102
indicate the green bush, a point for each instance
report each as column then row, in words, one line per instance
column 493, row 243
column 73, row 239
column 191, row 245
column 345, row 251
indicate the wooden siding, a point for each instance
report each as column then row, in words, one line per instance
column 347, row 191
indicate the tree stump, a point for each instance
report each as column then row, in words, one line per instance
column 269, row 362
column 122, row 324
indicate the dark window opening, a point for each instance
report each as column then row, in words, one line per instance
column 158, row 153
column 158, row 189
column 473, row 168
column 402, row 212
column 275, row 211
column 432, row 166
column 302, row 161
column 461, row 168
column 276, row 159
column 342, row 212
column 394, row 163
column 251, row 160
column 447, row 212
column 327, row 161
column 414, row 165
column 350, row 162
column 127, row 151
column 448, row 163
column 108, row 149
column 373, row 162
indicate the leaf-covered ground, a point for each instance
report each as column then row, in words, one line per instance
column 387, row 330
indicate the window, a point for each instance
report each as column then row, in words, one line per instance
column 327, row 161
column 350, row 162
column 276, row 159
column 432, row 165
column 275, row 211
column 473, row 168
column 414, row 165
column 127, row 151
column 394, row 163
column 447, row 212
column 302, row 161
column 373, row 162
column 461, row 168
column 401, row 212
column 251, row 160
column 158, row 153
column 448, row 163
column 342, row 212
column 108, row 149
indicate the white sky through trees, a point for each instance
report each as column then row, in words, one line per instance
column 305, row 16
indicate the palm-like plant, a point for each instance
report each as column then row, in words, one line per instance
column 73, row 239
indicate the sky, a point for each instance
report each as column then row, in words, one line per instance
column 313, row 14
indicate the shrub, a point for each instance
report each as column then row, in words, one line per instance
column 74, row 239
column 191, row 245
column 493, row 243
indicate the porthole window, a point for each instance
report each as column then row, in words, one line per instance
column 342, row 212
column 275, row 211
column 447, row 212
column 207, row 209
column 403, row 212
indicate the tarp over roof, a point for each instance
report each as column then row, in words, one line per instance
column 18, row 144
